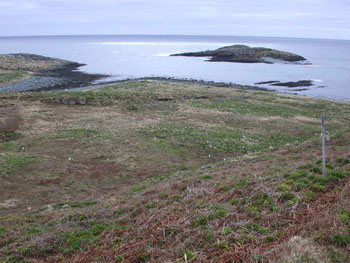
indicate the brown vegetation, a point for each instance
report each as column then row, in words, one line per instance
column 150, row 171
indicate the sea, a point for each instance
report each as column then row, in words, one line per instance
column 136, row 56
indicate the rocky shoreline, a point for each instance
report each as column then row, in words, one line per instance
column 50, row 74
column 45, row 74
column 206, row 82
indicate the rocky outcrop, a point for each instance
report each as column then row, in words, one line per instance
column 245, row 54
column 42, row 73
column 30, row 62
column 293, row 84
column 289, row 84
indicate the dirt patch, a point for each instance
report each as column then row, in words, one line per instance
column 10, row 203
column 269, row 118
column 304, row 118
column 93, row 170
column 299, row 248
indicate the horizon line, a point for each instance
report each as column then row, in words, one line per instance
column 173, row 35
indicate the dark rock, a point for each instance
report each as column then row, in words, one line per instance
column 245, row 54
column 300, row 89
column 267, row 82
column 291, row 84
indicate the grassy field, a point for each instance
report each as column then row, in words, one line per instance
column 154, row 171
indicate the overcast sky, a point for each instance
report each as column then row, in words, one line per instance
column 284, row 18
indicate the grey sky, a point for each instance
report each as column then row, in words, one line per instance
column 286, row 18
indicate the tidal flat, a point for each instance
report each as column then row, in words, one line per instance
column 156, row 171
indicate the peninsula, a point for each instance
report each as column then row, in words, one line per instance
column 29, row 72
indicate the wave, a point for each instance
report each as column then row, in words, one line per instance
column 311, row 65
column 155, row 43
column 218, row 44
column 162, row 55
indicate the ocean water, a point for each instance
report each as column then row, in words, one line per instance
column 126, row 57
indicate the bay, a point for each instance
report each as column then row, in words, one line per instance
column 135, row 56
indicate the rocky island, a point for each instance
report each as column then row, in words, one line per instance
column 246, row 54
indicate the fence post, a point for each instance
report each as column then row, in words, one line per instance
column 323, row 147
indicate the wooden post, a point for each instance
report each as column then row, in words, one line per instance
column 323, row 147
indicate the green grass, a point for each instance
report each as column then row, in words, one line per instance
column 68, row 234
column 344, row 217
column 12, row 76
column 216, row 212
column 80, row 240
column 147, row 183
column 189, row 255
column 309, row 177
column 340, row 240
column 253, row 227
column 214, row 141
column 2, row 230
column 283, row 188
column 9, row 163
column 13, row 146
column 256, row 107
